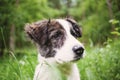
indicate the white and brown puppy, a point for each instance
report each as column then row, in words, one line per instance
column 58, row 48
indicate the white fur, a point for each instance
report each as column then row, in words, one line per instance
column 47, row 68
column 65, row 53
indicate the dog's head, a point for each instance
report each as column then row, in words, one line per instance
column 57, row 39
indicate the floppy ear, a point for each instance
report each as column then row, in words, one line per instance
column 76, row 29
column 70, row 19
column 29, row 29
column 36, row 30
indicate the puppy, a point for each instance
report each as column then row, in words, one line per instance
column 58, row 48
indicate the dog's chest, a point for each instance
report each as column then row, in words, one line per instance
column 52, row 72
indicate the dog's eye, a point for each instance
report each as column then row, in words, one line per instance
column 57, row 34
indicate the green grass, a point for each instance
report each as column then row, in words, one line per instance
column 100, row 63
column 18, row 67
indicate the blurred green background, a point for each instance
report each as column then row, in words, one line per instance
column 100, row 21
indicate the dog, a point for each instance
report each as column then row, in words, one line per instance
column 58, row 48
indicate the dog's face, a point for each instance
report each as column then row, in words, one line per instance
column 57, row 39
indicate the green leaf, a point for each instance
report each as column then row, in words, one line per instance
column 116, row 33
column 114, row 21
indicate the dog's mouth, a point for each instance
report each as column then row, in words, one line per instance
column 76, row 58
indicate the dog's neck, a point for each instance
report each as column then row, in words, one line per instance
column 64, row 68
column 44, row 60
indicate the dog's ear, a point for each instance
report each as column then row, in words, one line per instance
column 29, row 29
column 76, row 29
column 36, row 30
column 70, row 19
column 49, row 21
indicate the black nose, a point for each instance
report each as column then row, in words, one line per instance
column 78, row 50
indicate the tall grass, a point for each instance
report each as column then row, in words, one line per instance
column 18, row 65
column 100, row 63
column 2, row 35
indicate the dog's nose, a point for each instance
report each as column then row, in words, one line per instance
column 78, row 50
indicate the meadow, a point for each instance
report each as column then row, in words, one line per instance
column 98, row 19
column 100, row 63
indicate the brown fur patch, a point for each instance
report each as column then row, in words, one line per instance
column 48, row 35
